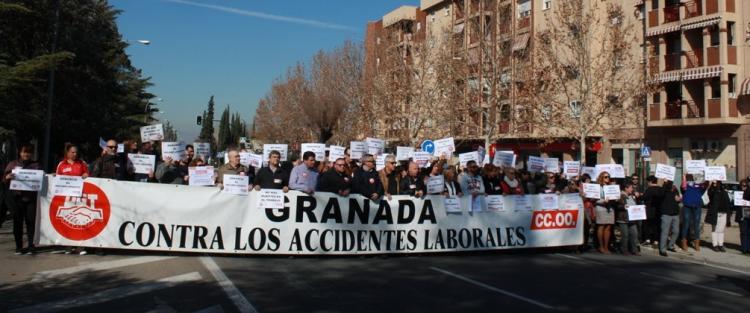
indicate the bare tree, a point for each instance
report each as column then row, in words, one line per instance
column 586, row 77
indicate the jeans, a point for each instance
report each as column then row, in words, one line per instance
column 669, row 223
column 692, row 218
column 629, row 233
column 745, row 234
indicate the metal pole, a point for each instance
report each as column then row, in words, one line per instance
column 50, row 91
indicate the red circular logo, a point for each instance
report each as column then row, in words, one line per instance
column 80, row 218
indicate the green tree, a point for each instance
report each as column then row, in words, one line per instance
column 207, row 125
column 170, row 133
column 225, row 134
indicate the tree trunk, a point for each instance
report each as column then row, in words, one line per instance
column 582, row 144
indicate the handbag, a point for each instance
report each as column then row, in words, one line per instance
column 705, row 198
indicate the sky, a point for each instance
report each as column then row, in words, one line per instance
column 232, row 49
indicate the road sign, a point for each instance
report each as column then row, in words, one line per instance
column 428, row 146
column 645, row 152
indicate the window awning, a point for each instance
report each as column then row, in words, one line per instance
column 663, row 30
column 520, row 42
column 704, row 22
column 702, row 73
column 745, row 87
column 671, row 76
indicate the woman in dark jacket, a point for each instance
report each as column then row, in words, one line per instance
column 670, row 218
column 718, row 207
column 23, row 202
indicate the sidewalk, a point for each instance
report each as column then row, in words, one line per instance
column 733, row 257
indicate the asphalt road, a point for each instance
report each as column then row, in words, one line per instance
column 513, row 281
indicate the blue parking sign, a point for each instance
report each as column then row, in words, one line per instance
column 645, row 151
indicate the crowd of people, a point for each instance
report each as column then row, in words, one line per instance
column 664, row 201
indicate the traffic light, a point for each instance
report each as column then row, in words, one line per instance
column 198, row 120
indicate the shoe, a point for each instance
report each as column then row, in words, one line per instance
column 684, row 244
column 83, row 252
column 716, row 249
column 672, row 250
column 30, row 251
column 18, row 252
column 721, row 249
column 662, row 253
column 697, row 245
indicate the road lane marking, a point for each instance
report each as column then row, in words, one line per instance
column 717, row 266
column 495, row 289
column 110, row 294
column 579, row 259
column 229, row 288
column 692, row 284
column 97, row 266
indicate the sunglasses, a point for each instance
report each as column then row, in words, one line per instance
column 339, row 164
column 394, row 163
column 606, row 177
column 112, row 147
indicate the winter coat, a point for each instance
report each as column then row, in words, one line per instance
column 719, row 204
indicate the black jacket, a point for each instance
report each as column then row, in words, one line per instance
column 332, row 181
column 719, row 203
column 652, row 198
column 267, row 179
column 492, row 185
column 366, row 183
column 410, row 185
column 670, row 206
column 107, row 166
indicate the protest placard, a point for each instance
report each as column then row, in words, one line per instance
column 404, row 153
column 464, row 158
column 664, row 171
column 63, row 185
column 504, row 159
column 202, row 149
column 636, row 212
column 142, row 163
column 611, row 192
column 26, row 180
column 549, row 201
column 335, row 153
column 357, row 149
column 716, row 173
column 236, row 184
column 435, row 184
column 592, row 191
column 318, row 148
column 282, row 148
column 445, row 147
column 172, row 150
column 535, row 164
column 152, row 133
column 422, row 158
column 551, row 165
column 201, row 176
column 572, row 168
column 695, row 166
column 495, row 203
column 375, row 146
column 271, row 199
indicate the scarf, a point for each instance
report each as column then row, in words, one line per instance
column 511, row 183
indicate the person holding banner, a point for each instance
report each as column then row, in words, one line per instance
column 233, row 167
column 169, row 172
column 605, row 215
column 670, row 218
column 743, row 218
column 628, row 229
column 149, row 177
column 304, row 177
column 366, row 180
column 72, row 165
column 272, row 176
column 412, row 184
column 471, row 184
column 106, row 166
column 718, row 209
column 510, row 184
column 129, row 146
column 589, row 213
column 492, row 180
column 691, row 211
column 390, row 177
column 23, row 203
column 335, row 180
column 452, row 187
column 652, row 198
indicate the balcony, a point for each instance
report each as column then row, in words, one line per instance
column 672, row 61
column 674, row 110
column 694, row 58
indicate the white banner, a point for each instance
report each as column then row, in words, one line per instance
column 201, row 176
column 592, row 191
column 173, row 150
column 695, row 166
column 551, row 165
column 614, row 170
column 318, row 148
column 26, row 180
column 70, row 186
column 282, row 148
column 572, row 168
column 664, row 171
column 202, row 149
column 716, row 173
column 335, row 153
column 504, row 159
column 144, row 216
column 445, row 147
column 142, row 163
column 404, row 153
column 535, row 164
column 636, row 212
column 357, row 149
column 464, row 158
column 152, row 133
column 375, row 146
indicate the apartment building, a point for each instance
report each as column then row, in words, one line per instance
column 698, row 52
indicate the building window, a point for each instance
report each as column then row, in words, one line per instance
column 654, row 5
column 642, row 12
column 715, row 88
column 524, row 8
column 715, row 36
column 732, row 85
column 730, row 33
column 656, row 98
column 546, row 4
